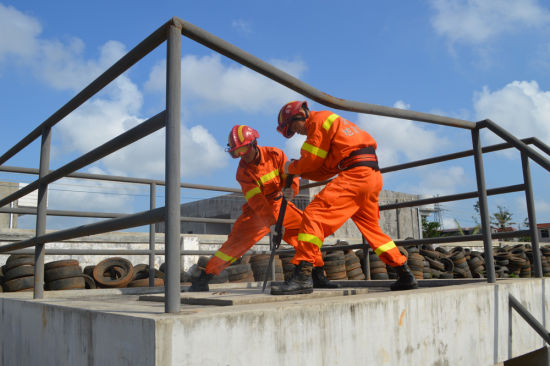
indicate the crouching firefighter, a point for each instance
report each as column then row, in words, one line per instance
column 335, row 146
column 260, row 174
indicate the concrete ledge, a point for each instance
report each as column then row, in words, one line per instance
column 466, row 324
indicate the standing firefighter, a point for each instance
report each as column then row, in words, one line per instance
column 335, row 146
column 261, row 177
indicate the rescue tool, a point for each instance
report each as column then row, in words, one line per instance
column 278, row 237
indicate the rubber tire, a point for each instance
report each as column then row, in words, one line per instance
column 69, row 283
column 105, row 264
column 61, row 263
column 18, row 261
column 18, row 284
column 19, row 271
column 144, row 282
column 58, row 273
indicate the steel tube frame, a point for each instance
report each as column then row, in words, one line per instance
column 39, row 250
column 529, row 318
column 172, row 162
column 152, row 206
column 133, row 56
column 531, row 214
column 132, row 135
column 483, row 210
column 244, row 58
column 517, row 143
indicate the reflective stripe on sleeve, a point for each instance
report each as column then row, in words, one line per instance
column 329, row 121
column 314, row 150
column 224, row 257
column 384, row 248
column 254, row 191
column 310, row 239
column 269, row 176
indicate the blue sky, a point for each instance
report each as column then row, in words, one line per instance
column 472, row 60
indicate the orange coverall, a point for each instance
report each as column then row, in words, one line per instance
column 352, row 194
column 261, row 185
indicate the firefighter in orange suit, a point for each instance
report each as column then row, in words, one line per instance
column 261, row 177
column 335, row 146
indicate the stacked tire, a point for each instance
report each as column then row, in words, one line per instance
column 378, row 269
column 335, row 265
column 353, row 266
column 240, row 273
column 18, row 273
column 461, row 268
column 259, row 264
column 416, row 263
column 476, row 263
column 64, row 275
column 141, row 277
column 115, row 272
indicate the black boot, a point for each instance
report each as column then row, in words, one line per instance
column 199, row 281
column 300, row 283
column 319, row 279
column 405, row 279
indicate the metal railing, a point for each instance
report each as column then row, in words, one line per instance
column 513, row 303
column 169, row 119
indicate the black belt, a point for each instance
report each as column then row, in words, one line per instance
column 365, row 156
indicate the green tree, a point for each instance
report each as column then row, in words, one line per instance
column 430, row 229
column 502, row 219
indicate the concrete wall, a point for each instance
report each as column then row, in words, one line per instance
column 455, row 325
column 7, row 188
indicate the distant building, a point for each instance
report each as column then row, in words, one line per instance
column 398, row 223
column 544, row 232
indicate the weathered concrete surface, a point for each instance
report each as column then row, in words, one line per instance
column 455, row 325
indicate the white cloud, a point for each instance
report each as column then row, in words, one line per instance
column 520, row 107
column 441, row 181
column 478, row 21
column 104, row 118
column 211, row 84
column 19, row 32
column 293, row 146
column 401, row 140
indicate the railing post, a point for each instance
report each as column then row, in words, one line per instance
column 42, row 203
column 483, row 210
column 531, row 214
column 366, row 261
column 172, row 161
column 152, row 206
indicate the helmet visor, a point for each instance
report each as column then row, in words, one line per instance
column 238, row 152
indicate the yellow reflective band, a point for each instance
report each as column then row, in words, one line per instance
column 314, row 150
column 329, row 121
column 310, row 239
column 240, row 132
column 269, row 176
column 384, row 248
column 254, row 191
column 224, row 257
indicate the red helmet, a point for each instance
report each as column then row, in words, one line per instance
column 286, row 116
column 241, row 138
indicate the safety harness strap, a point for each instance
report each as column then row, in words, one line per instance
column 365, row 156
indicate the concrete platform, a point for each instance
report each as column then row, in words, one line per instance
column 451, row 325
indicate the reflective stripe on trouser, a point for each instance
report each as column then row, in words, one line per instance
column 352, row 194
column 247, row 230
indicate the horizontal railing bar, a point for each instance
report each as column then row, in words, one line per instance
column 517, row 143
column 143, row 129
column 529, row 318
column 225, row 48
column 121, row 179
column 452, row 197
column 127, row 61
column 541, row 145
column 128, row 221
column 436, row 159
column 31, row 211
